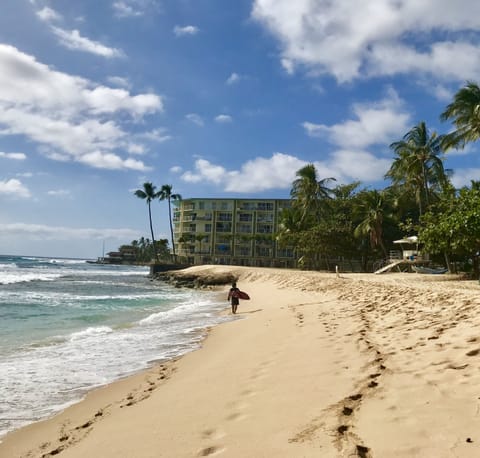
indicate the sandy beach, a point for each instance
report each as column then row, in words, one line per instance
column 316, row 365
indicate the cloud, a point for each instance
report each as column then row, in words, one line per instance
column 223, row 118
column 123, row 9
column 187, row 30
column 133, row 8
column 233, row 78
column 195, row 118
column 382, row 37
column 14, row 156
column 368, row 167
column 72, row 39
column 119, row 81
column 71, row 118
column 47, row 14
column 44, row 232
column 373, row 123
column 156, row 135
column 258, row 174
column 463, row 177
column 59, row 193
column 14, row 188
column 261, row 174
column 278, row 171
column 176, row 169
column 205, row 171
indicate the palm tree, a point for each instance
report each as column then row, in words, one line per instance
column 465, row 113
column 165, row 193
column 148, row 193
column 418, row 166
column 371, row 212
column 308, row 191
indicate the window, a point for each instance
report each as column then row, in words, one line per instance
column 223, row 227
column 268, row 206
column 244, row 251
column 244, row 228
column 263, row 251
column 265, row 218
column 285, row 253
column 264, row 228
column 245, row 217
column 222, row 249
column 208, row 228
column 224, row 216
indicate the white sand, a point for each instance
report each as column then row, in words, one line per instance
column 320, row 366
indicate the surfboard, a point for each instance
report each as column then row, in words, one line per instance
column 243, row 295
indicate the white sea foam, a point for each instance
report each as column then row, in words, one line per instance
column 16, row 276
column 93, row 331
column 89, row 327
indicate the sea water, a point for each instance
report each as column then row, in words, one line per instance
column 67, row 326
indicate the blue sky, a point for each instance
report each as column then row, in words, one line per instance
column 217, row 98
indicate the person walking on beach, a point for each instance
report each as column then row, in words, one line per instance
column 233, row 297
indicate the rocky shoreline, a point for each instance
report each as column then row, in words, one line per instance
column 202, row 280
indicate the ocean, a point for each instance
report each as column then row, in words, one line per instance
column 67, row 326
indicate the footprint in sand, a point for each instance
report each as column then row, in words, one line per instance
column 473, row 352
column 207, row 451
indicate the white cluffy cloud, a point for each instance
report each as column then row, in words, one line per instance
column 72, row 39
column 233, row 78
column 70, row 117
column 195, row 118
column 278, row 171
column 258, row 174
column 15, row 156
column 47, row 14
column 223, row 118
column 119, row 81
column 14, row 188
column 133, row 8
column 186, row 30
column 380, row 37
column 373, row 123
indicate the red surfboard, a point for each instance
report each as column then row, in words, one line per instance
column 243, row 295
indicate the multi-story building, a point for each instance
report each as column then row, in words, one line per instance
column 230, row 231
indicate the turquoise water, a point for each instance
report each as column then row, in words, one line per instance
column 67, row 326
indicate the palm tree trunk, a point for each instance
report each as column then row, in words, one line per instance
column 447, row 261
column 171, row 230
column 151, row 230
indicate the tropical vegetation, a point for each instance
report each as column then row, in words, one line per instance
column 348, row 222
column 165, row 193
column 149, row 193
column 329, row 222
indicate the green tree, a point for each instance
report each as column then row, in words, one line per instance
column 308, row 192
column 166, row 194
column 418, row 165
column 464, row 111
column 372, row 208
column 452, row 227
column 148, row 193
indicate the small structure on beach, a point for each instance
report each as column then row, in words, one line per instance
column 409, row 254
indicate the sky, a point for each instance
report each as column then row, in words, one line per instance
column 217, row 98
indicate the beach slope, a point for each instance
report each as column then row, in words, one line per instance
column 313, row 365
